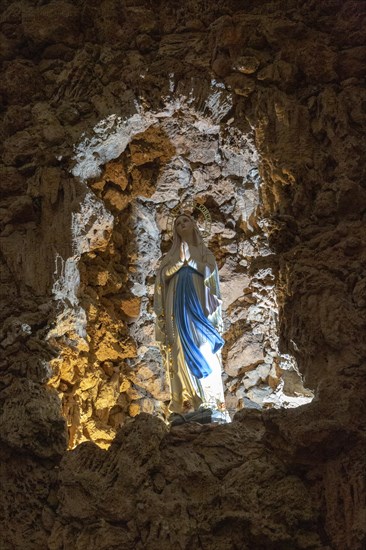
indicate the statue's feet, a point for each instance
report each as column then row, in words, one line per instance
column 202, row 416
column 221, row 416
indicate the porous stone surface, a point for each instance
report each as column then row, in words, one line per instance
column 112, row 113
column 191, row 487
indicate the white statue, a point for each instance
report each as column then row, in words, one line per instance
column 189, row 322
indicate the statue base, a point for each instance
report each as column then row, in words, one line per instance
column 202, row 416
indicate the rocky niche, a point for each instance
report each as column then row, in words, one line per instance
column 136, row 171
column 113, row 112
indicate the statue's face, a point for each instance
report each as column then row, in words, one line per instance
column 184, row 226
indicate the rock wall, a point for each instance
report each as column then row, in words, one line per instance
column 295, row 73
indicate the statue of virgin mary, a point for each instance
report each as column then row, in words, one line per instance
column 187, row 305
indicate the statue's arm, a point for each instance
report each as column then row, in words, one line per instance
column 198, row 266
column 213, row 298
column 203, row 267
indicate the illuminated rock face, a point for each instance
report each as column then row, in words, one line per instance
column 181, row 155
column 78, row 239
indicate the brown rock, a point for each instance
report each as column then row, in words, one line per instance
column 317, row 61
column 145, row 43
column 351, row 199
column 194, row 450
column 150, row 146
column 274, row 376
column 57, row 21
column 240, row 84
column 20, row 148
column 16, row 118
column 222, row 66
column 114, row 198
column 246, row 64
column 131, row 308
column 30, row 420
column 11, row 181
column 293, row 385
column 279, row 72
column 243, row 355
column 116, row 174
column 351, row 63
column 20, row 211
column 21, row 83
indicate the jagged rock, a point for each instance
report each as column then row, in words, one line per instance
column 30, row 420
column 243, row 355
column 56, row 22
column 247, row 64
column 113, row 113
column 140, row 483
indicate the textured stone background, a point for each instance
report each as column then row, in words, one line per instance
column 199, row 84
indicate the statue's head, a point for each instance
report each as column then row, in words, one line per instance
column 184, row 226
column 186, row 210
column 186, row 229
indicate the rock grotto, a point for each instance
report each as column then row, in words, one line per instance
column 113, row 112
